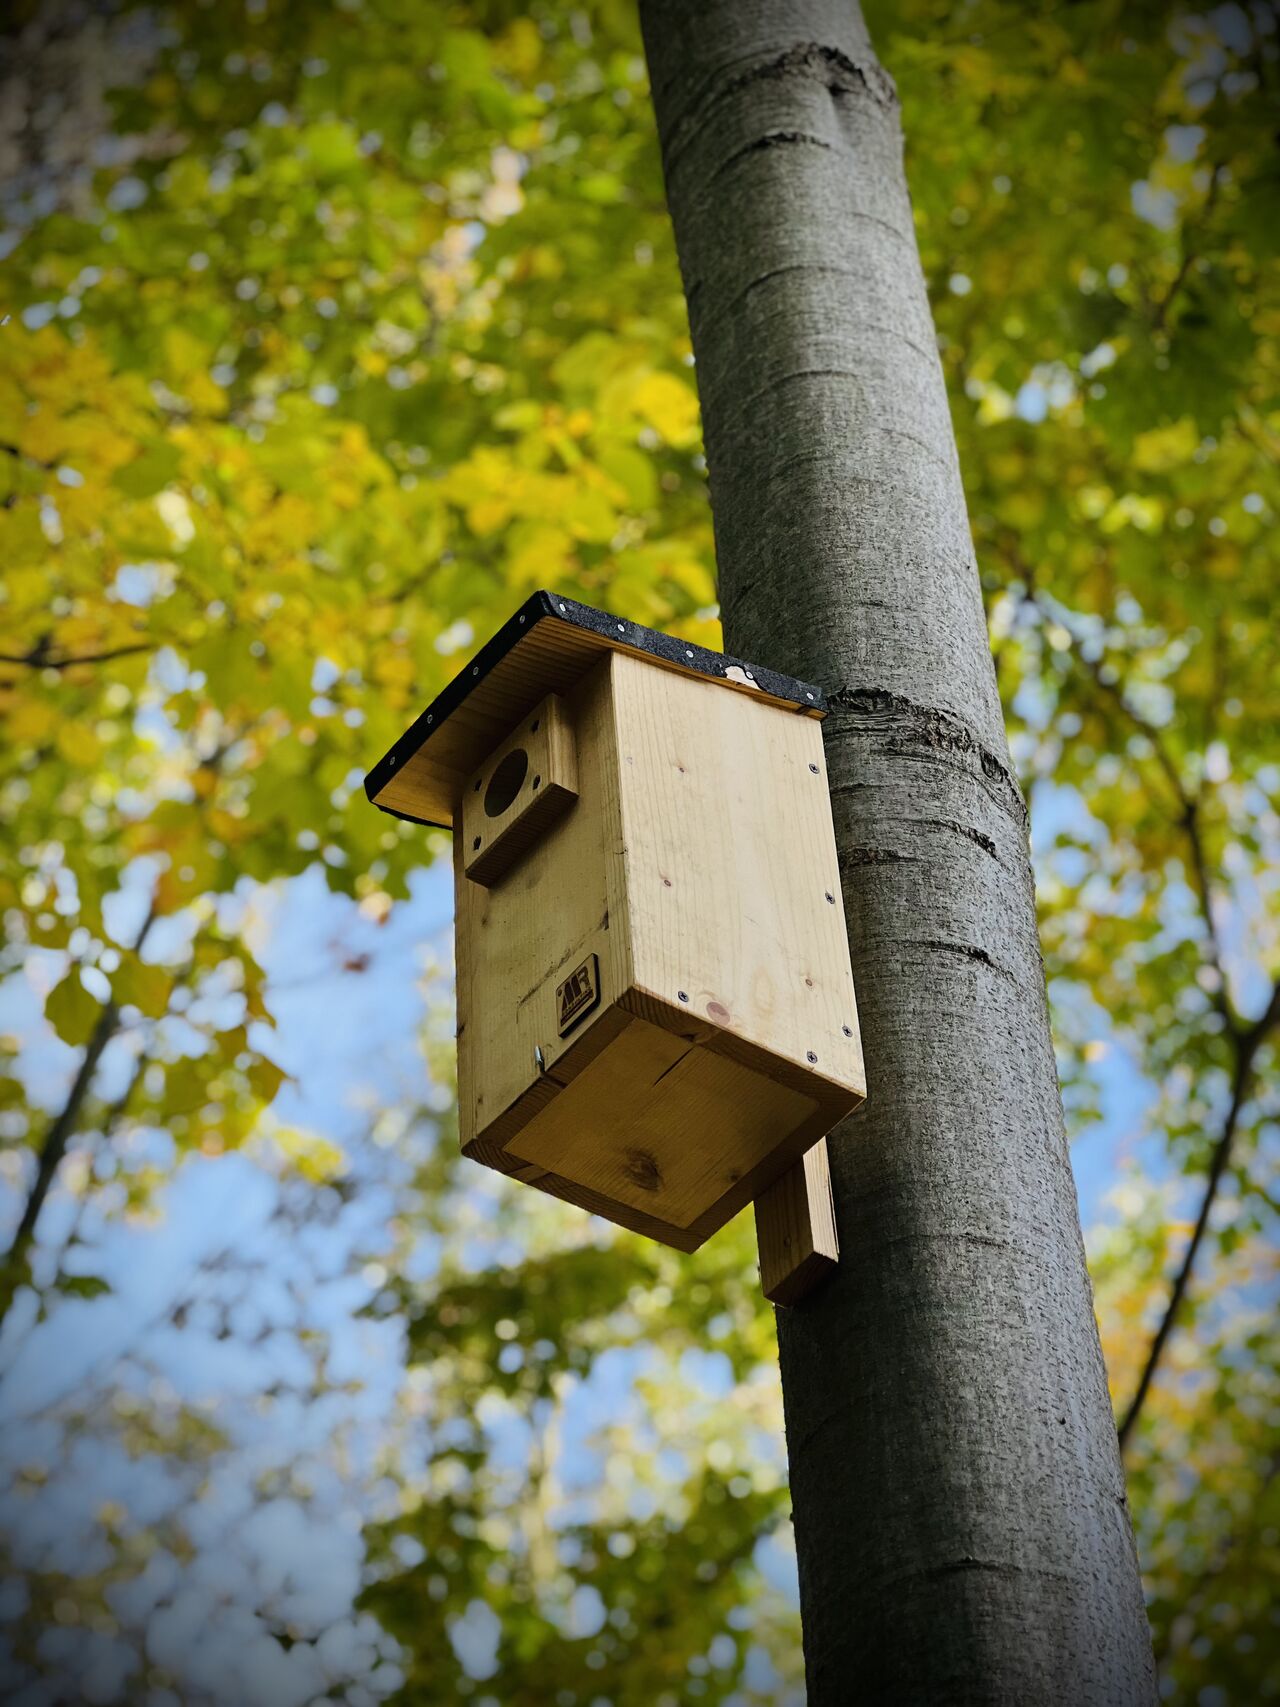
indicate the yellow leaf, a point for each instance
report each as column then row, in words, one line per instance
column 78, row 744
column 316, row 1158
column 669, row 406
column 538, row 553
column 30, row 720
column 1166, row 447
column 487, row 515
column 589, row 515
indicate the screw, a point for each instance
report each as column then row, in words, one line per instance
column 475, row 669
column 831, row 898
column 807, row 696
column 562, row 607
column 622, row 628
column 476, row 843
column 539, row 1060
column 847, row 1030
column 430, row 718
column 537, row 781
column 811, row 1057
column 391, row 760
column 814, row 769
column 688, row 654
column 683, row 997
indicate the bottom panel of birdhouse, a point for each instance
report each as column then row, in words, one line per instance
column 669, row 1132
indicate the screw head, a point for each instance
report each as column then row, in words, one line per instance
column 831, row 898
column 847, row 1030
column 810, row 1056
column 475, row 844
column 537, row 782
column 682, row 995
column 814, row 769
column 687, row 653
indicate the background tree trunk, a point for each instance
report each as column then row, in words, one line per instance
column 959, row 1503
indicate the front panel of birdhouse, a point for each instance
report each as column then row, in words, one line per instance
column 655, row 1007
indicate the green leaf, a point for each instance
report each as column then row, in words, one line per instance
column 82, row 1285
column 71, row 1010
column 265, row 1079
column 149, row 472
column 144, row 987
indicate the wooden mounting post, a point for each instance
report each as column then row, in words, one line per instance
column 796, row 1229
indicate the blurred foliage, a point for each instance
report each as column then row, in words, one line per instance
column 336, row 328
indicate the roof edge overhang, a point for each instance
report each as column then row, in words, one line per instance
column 439, row 753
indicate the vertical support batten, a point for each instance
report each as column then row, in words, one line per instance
column 959, row 1503
column 796, row 1229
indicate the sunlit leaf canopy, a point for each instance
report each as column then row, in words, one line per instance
column 333, row 331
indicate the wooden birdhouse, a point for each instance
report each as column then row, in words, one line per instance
column 656, row 1013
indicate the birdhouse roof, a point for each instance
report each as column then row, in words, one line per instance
column 548, row 644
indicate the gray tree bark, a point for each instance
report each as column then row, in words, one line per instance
column 959, row 1504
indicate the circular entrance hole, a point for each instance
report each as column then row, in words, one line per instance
column 506, row 782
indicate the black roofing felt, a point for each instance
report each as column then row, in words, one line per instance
column 553, row 607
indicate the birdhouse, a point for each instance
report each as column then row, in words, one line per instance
column 656, row 1015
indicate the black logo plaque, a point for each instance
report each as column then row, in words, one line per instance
column 578, row 995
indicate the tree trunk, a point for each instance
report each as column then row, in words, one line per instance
column 959, row 1504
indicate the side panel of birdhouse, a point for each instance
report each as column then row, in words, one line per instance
column 542, row 953
column 734, row 906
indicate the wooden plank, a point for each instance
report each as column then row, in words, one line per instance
column 732, row 880
column 662, row 1125
column 796, row 1229
column 528, row 782
column 489, row 1146
column 635, row 1220
column 491, row 1149
column 561, row 903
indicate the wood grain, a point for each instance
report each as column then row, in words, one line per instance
column 733, row 886
column 796, row 1229
column 662, row 1125
column 515, row 942
column 543, row 743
